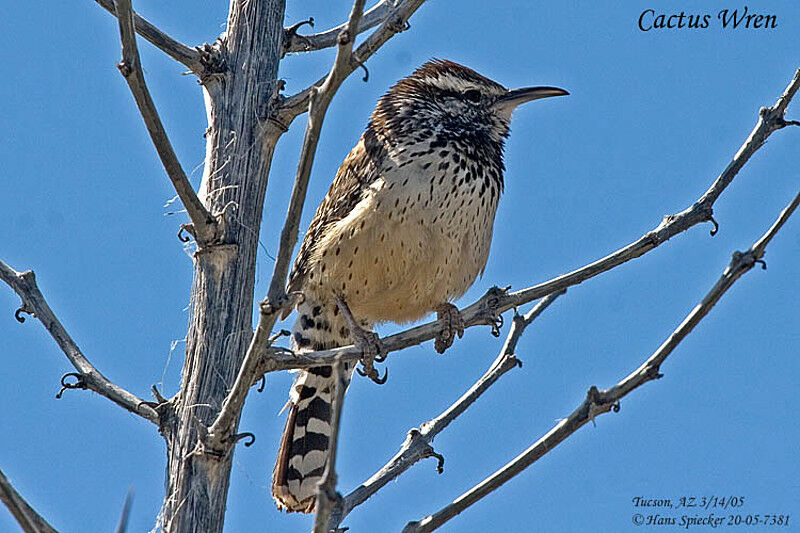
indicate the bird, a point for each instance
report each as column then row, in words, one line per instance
column 403, row 231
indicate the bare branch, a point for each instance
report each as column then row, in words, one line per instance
column 309, row 43
column 28, row 519
column 396, row 21
column 88, row 377
column 417, row 445
column 276, row 300
column 204, row 225
column 317, row 104
column 598, row 402
column 327, row 496
column 122, row 527
column 496, row 301
column 178, row 51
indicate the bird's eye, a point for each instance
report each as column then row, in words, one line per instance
column 473, row 95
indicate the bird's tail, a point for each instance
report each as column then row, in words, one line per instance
column 303, row 453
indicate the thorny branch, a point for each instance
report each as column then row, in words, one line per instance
column 497, row 301
column 204, row 226
column 276, row 299
column 178, row 51
column 316, row 100
column 326, row 39
column 28, row 519
column 392, row 15
column 417, row 445
column 88, row 377
column 318, row 104
column 394, row 22
column 597, row 401
column 328, row 498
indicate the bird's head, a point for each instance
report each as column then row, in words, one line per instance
column 451, row 102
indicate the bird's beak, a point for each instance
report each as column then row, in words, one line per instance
column 515, row 97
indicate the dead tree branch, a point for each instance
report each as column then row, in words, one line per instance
column 318, row 99
column 327, row 497
column 326, row 39
column 28, row 519
column 497, row 301
column 318, row 103
column 598, row 402
column 204, row 224
column 178, row 51
column 277, row 300
column 395, row 22
column 88, row 377
column 417, row 445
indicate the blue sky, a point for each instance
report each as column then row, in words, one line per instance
column 652, row 119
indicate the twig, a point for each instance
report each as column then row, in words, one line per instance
column 327, row 496
column 497, row 301
column 33, row 303
column 318, row 41
column 220, row 430
column 204, row 225
column 417, row 445
column 178, row 51
column 320, row 98
column 28, row 519
column 598, row 402
column 122, row 526
column 394, row 22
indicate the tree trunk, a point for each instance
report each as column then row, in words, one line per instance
column 238, row 156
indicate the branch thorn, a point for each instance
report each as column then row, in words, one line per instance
column 262, row 384
column 397, row 24
column 653, row 373
column 188, row 228
column 292, row 30
column 761, row 262
column 18, row 314
column 278, row 335
column 440, row 461
column 240, row 436
column 80, row 383
column 362, row 65
column 716, row 225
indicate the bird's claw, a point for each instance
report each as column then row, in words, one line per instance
column 371, row 351
column 368, row 342
column 372, row 374
column 452, row 324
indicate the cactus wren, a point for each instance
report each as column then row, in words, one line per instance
column 404, row 229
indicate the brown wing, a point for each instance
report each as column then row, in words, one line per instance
column 359, row 169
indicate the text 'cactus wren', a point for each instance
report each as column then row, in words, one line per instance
column 404, row 229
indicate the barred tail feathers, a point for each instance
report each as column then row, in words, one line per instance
column 303, row 451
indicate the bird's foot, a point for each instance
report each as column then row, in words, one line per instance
column 368, row 342
column 372, row 350
column 452, row 324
